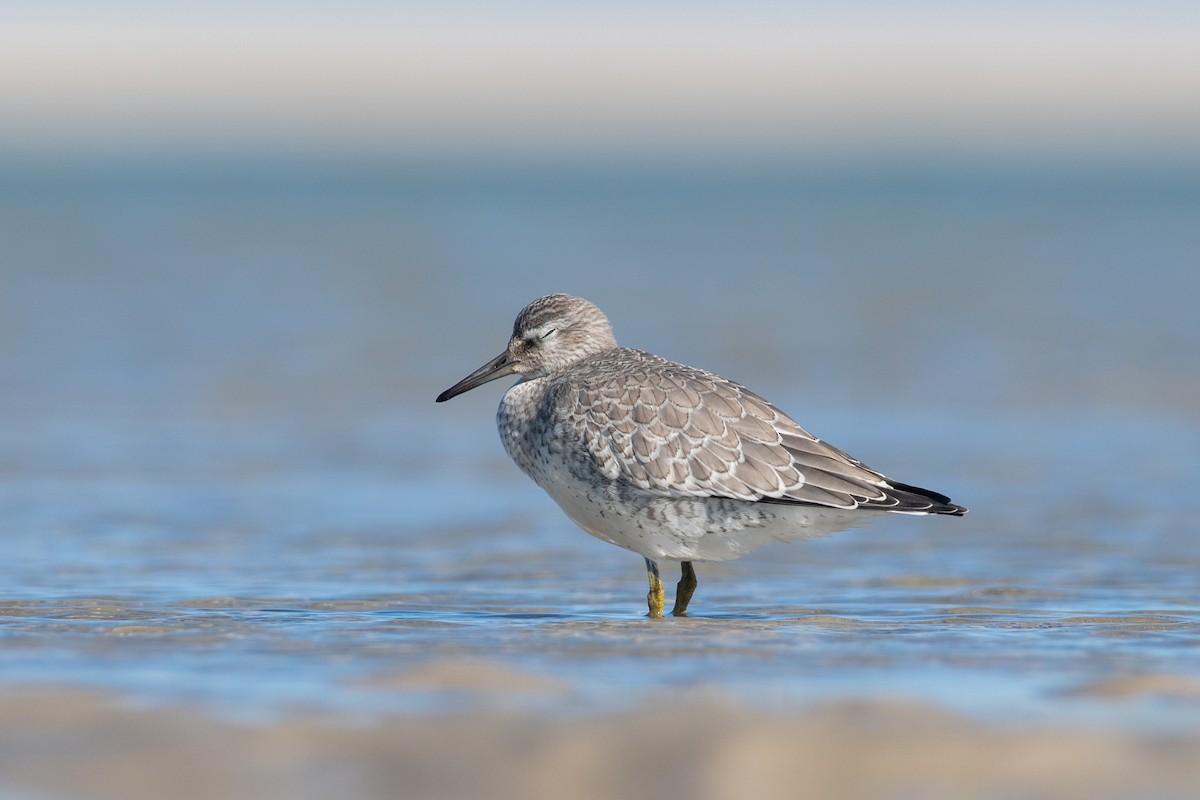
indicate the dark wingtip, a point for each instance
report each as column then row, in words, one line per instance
column 443, row 397
column 940, row 503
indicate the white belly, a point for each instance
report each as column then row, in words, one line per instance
column 693, row 529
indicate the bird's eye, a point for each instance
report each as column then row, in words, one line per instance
column 549, row 332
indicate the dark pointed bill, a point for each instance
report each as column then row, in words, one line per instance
column 498, row 367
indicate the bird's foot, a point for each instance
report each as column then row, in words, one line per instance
column 684, row 590
column 657, row 594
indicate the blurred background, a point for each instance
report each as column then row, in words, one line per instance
column 244, row 245
column 262, row 203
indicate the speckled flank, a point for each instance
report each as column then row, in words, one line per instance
column 666, row 460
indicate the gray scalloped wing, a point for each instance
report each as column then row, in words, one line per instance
column 681, row 431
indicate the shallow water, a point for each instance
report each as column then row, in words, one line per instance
column 224, row 482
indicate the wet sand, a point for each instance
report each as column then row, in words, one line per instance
column 57, row 743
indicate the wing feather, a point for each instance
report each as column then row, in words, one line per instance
column 680, row 431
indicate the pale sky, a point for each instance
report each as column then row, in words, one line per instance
column 474, row 77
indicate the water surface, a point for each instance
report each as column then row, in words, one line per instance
column 224, row 482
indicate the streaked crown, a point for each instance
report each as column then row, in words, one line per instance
column 555, row 331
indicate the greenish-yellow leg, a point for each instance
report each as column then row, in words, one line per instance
column 657, row 595
column 685, row 589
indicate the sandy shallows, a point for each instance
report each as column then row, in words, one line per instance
column 57, row 743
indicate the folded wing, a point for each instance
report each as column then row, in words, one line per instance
column 681, row 431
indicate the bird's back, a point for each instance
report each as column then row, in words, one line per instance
column 679, row 431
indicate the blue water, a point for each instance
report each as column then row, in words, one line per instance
column 223, row 479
